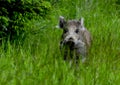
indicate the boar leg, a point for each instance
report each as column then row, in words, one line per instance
column 81, row 50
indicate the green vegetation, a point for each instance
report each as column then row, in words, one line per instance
column 34, row 58
column 14, row 14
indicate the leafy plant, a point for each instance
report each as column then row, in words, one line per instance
column 15, row 13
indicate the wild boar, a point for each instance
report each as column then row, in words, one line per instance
column 75, row 40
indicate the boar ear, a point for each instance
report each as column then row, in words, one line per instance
column 81, row 21
column 62, row 22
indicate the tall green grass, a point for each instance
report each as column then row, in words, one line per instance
column 37, row 60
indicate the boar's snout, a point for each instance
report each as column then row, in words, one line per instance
column 70, row 42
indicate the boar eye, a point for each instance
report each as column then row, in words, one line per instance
column 77, row 30
column 65, row 30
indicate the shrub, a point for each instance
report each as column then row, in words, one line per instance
column 15, row 13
